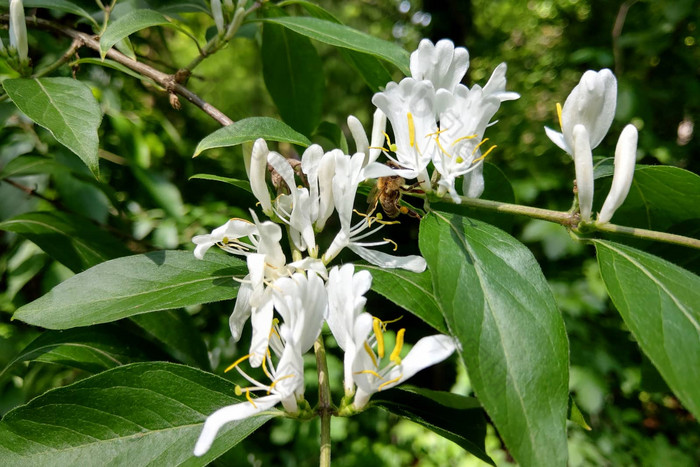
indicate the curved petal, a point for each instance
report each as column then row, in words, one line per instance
column 583, row 163
column 558, row 139
column 258, row 170
column 231, row 413
column 442, row 63
column 625, row 159
column 378, row 258
column 241, row 310
column 427, row 352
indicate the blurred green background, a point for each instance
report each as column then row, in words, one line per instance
column 147, row 200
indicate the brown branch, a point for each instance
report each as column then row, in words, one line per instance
column 167, row 81
column 617, row 31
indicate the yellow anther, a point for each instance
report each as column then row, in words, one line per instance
column 483, row 156
column 439, row 145
column 411, row 130
column 396, row 247
column 384, row 323
column 462, row 139
column 392, row 147
column 250, row 399
column 368, row 372
column 403, row 210
column 224, row 240
column 381, row 148
column 264, row 367
column 460, row 160
column 277, row 381
column 386, row 383
column 238, row 390
column 394, row 357
column 377, row 327
column 368, row 349
column 379, row 216
column 559, row 115
column 479, row 145
column 235, row 364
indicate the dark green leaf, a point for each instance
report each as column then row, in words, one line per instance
column 176, row 332
column 250, row 129
column 242, row 184
column 70, row 239
column 58, row 5
column 131, row 22
column 345, row 37
column 411, row 291
column 293, row 74
column 65, row 107
column 498, row 305
column 138, row 414
column 574, row 414
column 31, row 165
column 123, row 287
column 334, row 134
column 107, row 63
column 660, row 303
column 92, row 349
column 457, row 418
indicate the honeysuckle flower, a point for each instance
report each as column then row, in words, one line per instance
column 591, row 104
column 375, row 371
column 346, row 300
column 257, row 171
column 625, row 158
column 226, row 236
column 348, row 174
column 410, row 107
column 18, row 29
column 583, row 164
column 442, row 64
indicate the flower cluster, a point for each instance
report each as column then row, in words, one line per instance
column 585, row 120
column 437, row 120
column 287, row 302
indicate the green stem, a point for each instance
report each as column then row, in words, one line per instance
column 75, row 45
column 325, row 406
column 570, row 220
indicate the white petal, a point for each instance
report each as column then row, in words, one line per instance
column 241, row 311
column 310, row 165
column 442, row 63
column 558, row 139
column 427, row 352
column 258, row 169
column 261, row 319
column 18, row 29
column 325, row 186
column 231, row 413
column 378, row 258
column 625, row 158
column 358, row 134
column 583, row 162
column 496, row 85
column 473, row 182
column 377, row 141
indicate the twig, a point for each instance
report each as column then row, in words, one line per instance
column 75, row 45
column 617, row 31
column 165, row 80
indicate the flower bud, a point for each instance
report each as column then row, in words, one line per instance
column 18, row 29
column 625, row 158
column 583, row 163
column 218, row 15
column 258, row 168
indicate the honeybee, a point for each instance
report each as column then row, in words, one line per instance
column 387, row 192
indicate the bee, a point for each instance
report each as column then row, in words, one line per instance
column 387, row 192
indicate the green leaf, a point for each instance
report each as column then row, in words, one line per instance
column 92, row 349
column 138, row 414
column 575, row 415
column 58, row 5
column 29, row 164
column 411, row 291
column 497, row 303
column 250, row 129
column 293, row 74
column 457, row 418
column 137, row 284
column 72, row 240
column 242, row 184
column 497, row 188
column 660, row 196
column 129, row 23
column 334, row 134
column 176, row 332
column 65, row 107
column 659, row 302
column 345, row 37
column 107, row 63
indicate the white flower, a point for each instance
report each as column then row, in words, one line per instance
column 348, row 174
column 625, row 158
column 346, row 300
column 18, row 29
column 226, row 236
column 258, row 169
column 375, row 371
column 442, row 64
column 583, row 164
column 410, row 107
column 591, row 104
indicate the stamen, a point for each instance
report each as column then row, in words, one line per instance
column 439, row 145
column 411, row 130
column 238, row 390
column 479, row 145
column 483, row 156
column 264, row 367
column 368, row 349
column 435, row 133
column 235, row 364
column 386, row 383
column 462, row 139
column 559, row 115
column 250, row 399
column 384, row 323
column 394, row 357
column 392, row 147
column 368, row 372
column 377, row 327
column 396, row 247
column 277, row 381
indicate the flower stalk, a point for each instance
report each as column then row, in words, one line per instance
column 325, row 404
